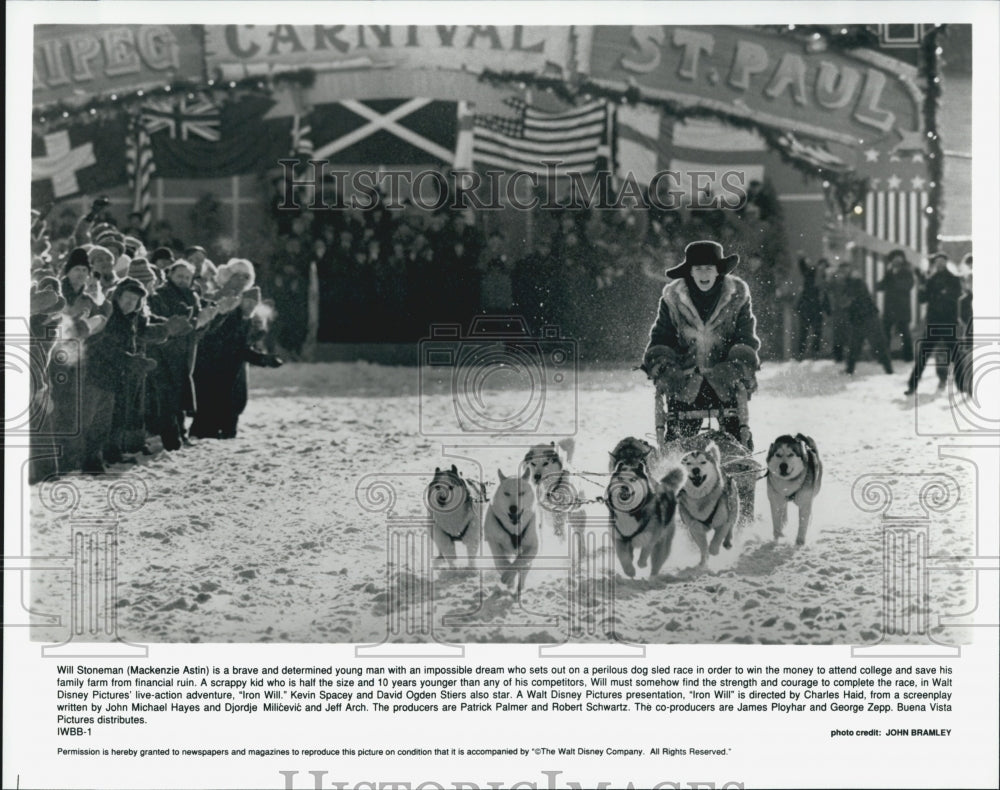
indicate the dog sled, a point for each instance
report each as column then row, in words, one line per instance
column 682, row 427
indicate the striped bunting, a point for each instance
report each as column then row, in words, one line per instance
column 141, row 168
column 571, row 141
column 896, row 216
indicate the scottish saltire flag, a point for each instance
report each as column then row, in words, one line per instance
column 573, row 141
column 385, row 131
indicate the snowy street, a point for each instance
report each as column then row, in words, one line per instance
column 264, row 538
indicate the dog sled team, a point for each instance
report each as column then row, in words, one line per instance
column 702, row 359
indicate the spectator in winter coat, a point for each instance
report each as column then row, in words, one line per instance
column 80, row 290
column 172, row 386
column 941, row 292
column 220, row 375
column 862, row 320
column 811, row 307
column 704, row 341
column 110, row 360
column 897, row 285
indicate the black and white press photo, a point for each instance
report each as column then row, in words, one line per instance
column 465, row 334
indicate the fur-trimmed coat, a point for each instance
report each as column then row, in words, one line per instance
column 706, row 343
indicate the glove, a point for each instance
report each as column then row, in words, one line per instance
column 206, row 315
column 179, row 325
column 228, row 303
column 272, row 361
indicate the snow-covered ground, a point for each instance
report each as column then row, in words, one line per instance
column 284, row 534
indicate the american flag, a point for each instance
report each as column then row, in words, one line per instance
column 183, row 117
column 573, row 139
column 140, row 168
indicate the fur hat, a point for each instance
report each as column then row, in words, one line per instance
column 181, row 264
column 130, row 285
column 133, row 245
column 140, row 271
column 77, row 257
column 231, row 267
column 111, row 240
column 96, row 252
column 704, row 253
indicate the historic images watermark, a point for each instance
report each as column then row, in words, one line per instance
column 317, row 780
column 320, row 186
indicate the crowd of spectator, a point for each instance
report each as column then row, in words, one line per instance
column 127, row 344
column 136, row 331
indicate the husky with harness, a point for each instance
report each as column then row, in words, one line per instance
column 641, row 514
column 709, row 502
column 511, row 529
column 456, row 514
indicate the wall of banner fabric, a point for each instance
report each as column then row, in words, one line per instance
column 848, row 109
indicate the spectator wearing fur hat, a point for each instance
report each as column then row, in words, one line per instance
column 221, row 368
column 235, row 276
column 114, row 371
column 110, row 358
column 172, row 391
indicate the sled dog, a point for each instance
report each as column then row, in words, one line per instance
column 456, row 513
column 511, row 529
column 709, row 501
column 546, row 466
column 641, row 515
column 794, row 474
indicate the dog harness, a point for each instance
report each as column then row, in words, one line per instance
column 707, row 523
column 791, row 497
column 460, row 535
column 515, row 537
column 642, row 527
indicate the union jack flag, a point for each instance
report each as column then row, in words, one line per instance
column 183, row 117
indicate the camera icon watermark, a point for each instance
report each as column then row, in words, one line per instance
column 497, row 379
column 974, row 362
column 50, row 364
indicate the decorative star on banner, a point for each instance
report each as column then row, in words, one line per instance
column 918, row 182
column 918, row 157
column 894, row 181
column 871, row 155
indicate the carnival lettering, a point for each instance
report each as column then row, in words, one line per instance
column 249, row 41
column 108, row 52
column 806, row 80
